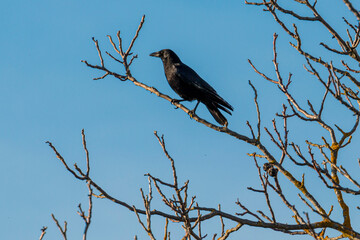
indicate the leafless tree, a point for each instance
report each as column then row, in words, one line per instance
column 320, row 157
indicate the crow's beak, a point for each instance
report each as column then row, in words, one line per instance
column 155, row 54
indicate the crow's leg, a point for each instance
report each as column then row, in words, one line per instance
column 192, row 112
column 177, row 101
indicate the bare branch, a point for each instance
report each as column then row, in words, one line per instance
column 43, row 232
column 352, row 9
column 136, row 35
column 87, row 219
column 62, row 230
column 257, row 111
column 63, row 161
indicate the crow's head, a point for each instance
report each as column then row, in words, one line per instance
column 166, row 55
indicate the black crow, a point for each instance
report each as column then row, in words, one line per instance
column 190, row 86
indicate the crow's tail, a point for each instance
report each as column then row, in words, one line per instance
column 217, row 114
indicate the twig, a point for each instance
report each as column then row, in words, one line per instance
column 43, row 232
column 87, row 219
column 62, row 230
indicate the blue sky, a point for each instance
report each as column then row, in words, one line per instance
column 46, row 94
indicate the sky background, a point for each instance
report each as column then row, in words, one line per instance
column 47, row 94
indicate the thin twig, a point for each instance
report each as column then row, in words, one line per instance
column 61, row 229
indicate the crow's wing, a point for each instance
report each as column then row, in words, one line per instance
column 190, row 77
column 187, row 74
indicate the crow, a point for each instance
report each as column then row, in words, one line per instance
column 190, row 86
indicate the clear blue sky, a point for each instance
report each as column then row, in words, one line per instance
column 46, row 93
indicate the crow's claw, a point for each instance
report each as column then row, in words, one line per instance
column 173, row 101
column 191, row 113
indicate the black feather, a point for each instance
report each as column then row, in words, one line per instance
column 190, row 86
